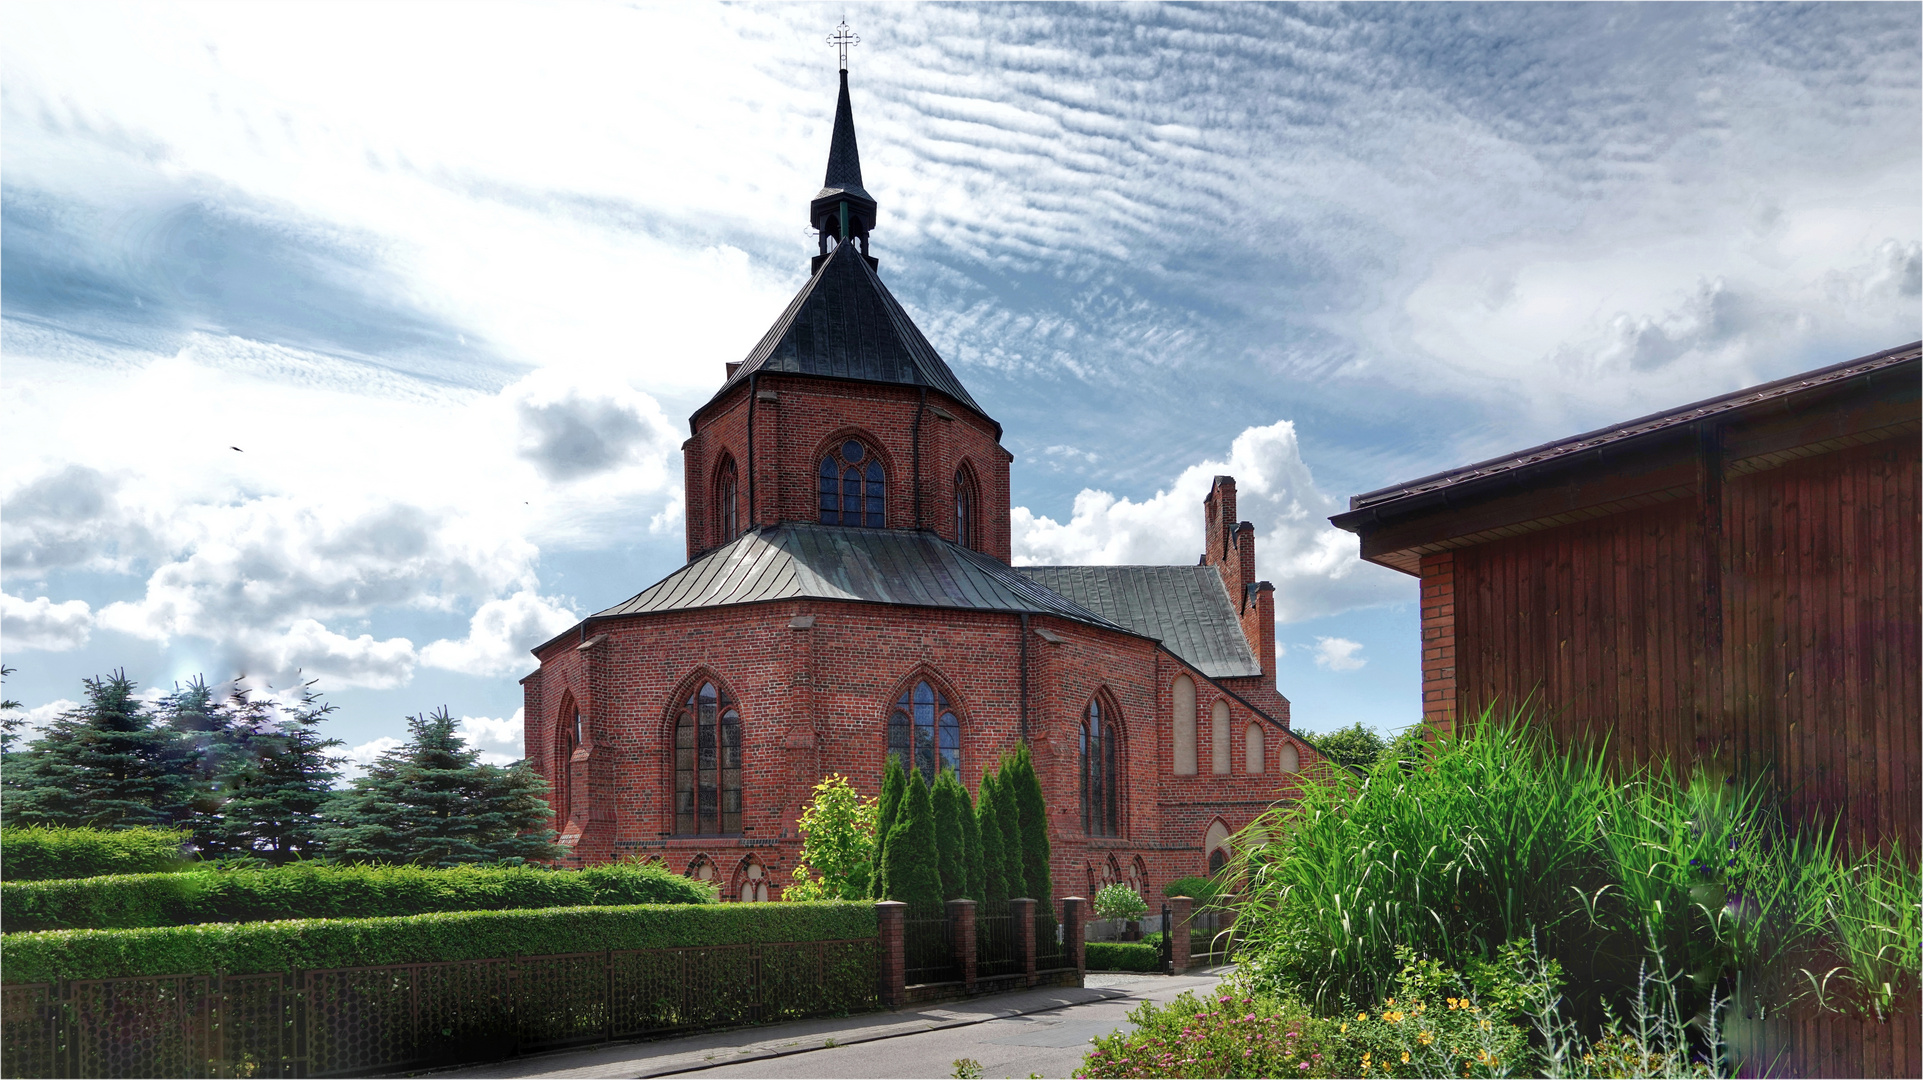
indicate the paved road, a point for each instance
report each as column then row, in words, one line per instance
column 1042, row 1032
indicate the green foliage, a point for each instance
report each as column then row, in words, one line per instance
column 1873, row 912
column 1122, row 956
column 1233, row 1034
column 1355, row 746
column 1034, row 829
column 430, row 801
column 1497, row 837
column 37, row 853
column 273, row 780
column 994, row 856
column 1117, row 901
column 1204, row 891
column 837, row 844
column 894, row 784
column 239, row 948
column 104, row 764
column 911, row 868
column 1008, row 816
column 1410, row 746
column 950, row 798
column 12, row 718
column 975, row 867
column 320, row 890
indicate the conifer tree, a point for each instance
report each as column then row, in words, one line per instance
column 275, row 789
column 104, row 763
column 1034, row 828
column 994, row 861
column 948, row 797
column 972, row 869
column 430, row 801
column 894, row 784
column 1008, row 816
column 910, row 866
column 210, row 733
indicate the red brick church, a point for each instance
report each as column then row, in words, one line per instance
column 849, row 594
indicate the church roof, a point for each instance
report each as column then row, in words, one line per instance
column 845, row 324
column 844, row 157
column 800, row 560
column 1186, row 608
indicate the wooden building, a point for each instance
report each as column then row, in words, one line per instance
column 1731, row 583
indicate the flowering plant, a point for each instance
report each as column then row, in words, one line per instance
column 1118, row 901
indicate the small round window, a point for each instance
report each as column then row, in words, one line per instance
column 852, row 451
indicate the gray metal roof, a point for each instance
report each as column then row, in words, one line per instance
column 800, row 560
column 844, row 157
column 1187, row 608
column 845, row 324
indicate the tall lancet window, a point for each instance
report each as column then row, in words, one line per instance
column 1101, row 801
column 964, row 509
column 707, row 765
column 727, row 501
column 852, row 486
column 924, row 733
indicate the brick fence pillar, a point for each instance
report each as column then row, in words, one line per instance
column 1022, row 910
column 1178, row 932
column 1073, row 917
column 892, row 915
column 961, row 932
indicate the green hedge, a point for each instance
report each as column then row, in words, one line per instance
column 326, row 891
column 1122, row 956
column 37, row 853
column 242, row 948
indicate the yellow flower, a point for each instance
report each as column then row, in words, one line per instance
column 1392, row 1001
column 1484, row 1025
column 1358, row 1016
column 1344, row 1030
column 1405, row 1057
column 1452, row 1002
column 1426, row 1038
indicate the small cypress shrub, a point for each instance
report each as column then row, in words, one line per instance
column 911, row 867
column 948, row 798
column 1034, row 828
column 989, row 826
column 894, row 784
column 972, row 867
column 1008, row 816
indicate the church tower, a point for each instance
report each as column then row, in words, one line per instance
column 843, row 414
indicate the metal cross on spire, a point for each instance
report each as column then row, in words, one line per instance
column 844, row 37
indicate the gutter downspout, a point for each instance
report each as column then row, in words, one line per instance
column 919, row 410
column 752, row 379
column 1024, row 677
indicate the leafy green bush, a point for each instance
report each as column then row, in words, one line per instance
column 1233, row 1034
column 239, row 948
column 1123, row 956
column 39, row 853
column 320, row 890
column 1117, row 901
column 1203, row 891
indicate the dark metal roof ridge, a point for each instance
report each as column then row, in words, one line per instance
column 1616, row 433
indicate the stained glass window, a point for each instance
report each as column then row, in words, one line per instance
column 727, row 502
column 707, row 765
column 852, row 487
column 924, row 732
column 964, row 510
column 1101, row 797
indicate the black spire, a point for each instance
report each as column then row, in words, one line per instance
column 844, row 210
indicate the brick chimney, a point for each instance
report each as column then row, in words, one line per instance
column 1231, row 550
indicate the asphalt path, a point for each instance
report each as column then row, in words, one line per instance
column 1033, row 1033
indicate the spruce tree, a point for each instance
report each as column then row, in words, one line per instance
column 1034, row 828
column 994, row 861
column 211, row 733
column 275, row 791
column 951, row 855
column 910, row 867
column 894, row 783
column 971, row 845
column 430, row 801
column 104, row 764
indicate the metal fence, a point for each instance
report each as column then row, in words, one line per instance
column 345, row 1021
column 1049, row 951
column 997, row 948
column 928, row 948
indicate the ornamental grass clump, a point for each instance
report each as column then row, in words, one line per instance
column 1230, row 1034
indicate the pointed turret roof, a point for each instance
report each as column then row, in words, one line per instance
column 844, row 157
column 845, row 324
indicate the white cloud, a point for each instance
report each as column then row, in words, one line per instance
column 1315, row 566
column 485, row 731
column 500, row 635
column 1338, row 654
column 364, row 755
column 314, row 651
column 42, row 624
column 36, row 719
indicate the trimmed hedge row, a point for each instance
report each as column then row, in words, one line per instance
column 326, row 891
column 38, row 853
column 244, row 948
column 1122, row 956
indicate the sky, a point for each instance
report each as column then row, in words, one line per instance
column 356, row 343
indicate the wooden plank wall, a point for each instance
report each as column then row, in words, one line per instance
column 1610, row 628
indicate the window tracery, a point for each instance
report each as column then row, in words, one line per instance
column 924, row 731
column 707, row 765
column 853, row 486
column 965, row 510
column 1101, row 774
column 727, row 501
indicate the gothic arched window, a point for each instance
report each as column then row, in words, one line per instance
column 707, row 765
column 924, row 732
column 965, row 523
column 1101, row 799
column 852, row 486
column 727, row 502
